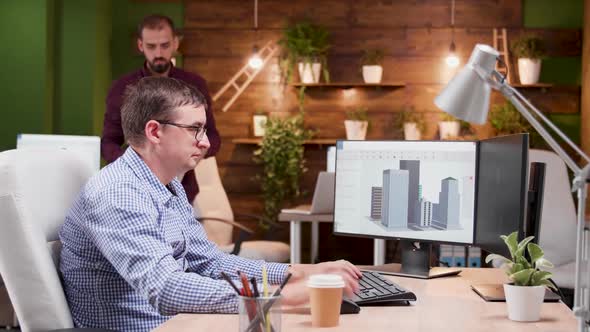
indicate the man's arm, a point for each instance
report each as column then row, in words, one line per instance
column 123, row 223
column 205, row 258
column 112, row 132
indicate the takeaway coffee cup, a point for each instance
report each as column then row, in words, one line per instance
column 325, row 292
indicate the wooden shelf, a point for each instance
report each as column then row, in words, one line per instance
column 341, row 85
column 536, row 85
column 256, row 141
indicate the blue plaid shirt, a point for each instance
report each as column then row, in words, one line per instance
column 133, row 254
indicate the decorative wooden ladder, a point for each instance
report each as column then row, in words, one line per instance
column 501, row 44
column 266, row 53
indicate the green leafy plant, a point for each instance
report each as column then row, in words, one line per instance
column 372, row 57
column 521, row 270
column 359, row 114
column 506, row 120
column 444, row 116
column 410, row 115
column 527, row 46
column 303, row 42
column 281, row 154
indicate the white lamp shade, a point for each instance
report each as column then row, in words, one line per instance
column 467, row 96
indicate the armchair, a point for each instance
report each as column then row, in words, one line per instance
column 216, row 214
column 38, row 187
column 558, row 218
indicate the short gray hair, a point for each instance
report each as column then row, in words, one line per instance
column 154, row 98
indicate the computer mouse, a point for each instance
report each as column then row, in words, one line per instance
column 349, row 307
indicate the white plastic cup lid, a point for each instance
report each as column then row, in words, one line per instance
column 325, row 281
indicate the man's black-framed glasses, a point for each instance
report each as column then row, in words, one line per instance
column 199, row 130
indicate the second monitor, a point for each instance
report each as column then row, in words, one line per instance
column 418, row 191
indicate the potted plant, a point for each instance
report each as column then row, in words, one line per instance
column 306, row 45
column 357, row 124
column 258, row 122
column 525, row 294
column 412, row 124
column 506, row 120
column 529, row 50
column 281, row 155
column 449, row 126
column 372, row 69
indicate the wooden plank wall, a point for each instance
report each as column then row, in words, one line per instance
column 218, row 38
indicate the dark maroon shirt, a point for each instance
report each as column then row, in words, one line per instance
column 112, row 132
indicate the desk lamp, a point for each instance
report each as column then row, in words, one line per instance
column 467, row 96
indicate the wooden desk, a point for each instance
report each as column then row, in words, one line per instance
column 444, row 304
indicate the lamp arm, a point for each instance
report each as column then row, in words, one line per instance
column 507, row 91
column 552, row 126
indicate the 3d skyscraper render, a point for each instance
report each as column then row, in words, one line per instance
column 467, row 193
column 413, row 168
column 376, row 202
column 394, row 207
column 446, row 212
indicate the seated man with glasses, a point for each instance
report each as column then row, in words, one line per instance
column 132, row 253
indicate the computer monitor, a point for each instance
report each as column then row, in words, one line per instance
column 501, row 191
column 420, row 191
column 87, row 147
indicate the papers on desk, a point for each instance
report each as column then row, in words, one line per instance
column 301, row 209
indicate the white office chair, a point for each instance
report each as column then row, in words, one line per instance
column 557, row 234
column 38, row 188
column 218, row 218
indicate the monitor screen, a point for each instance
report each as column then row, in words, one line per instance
column 87, row 147
column 416, row 190
column 501, row 192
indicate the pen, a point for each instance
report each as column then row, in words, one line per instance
column 251, row 307
column 231, row 283
column 254, row 322
column 245, row 284
column 254, row 287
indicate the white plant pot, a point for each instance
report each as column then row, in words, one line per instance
column 309, row 72
column 524, row 302
column 449, row 129
column 529, row 70
column 356, row 130
column 411, row 131
column 258, row 122
column 372, row 74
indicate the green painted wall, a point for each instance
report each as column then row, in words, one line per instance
column 27, row 79
column 126, row 16
column 57, row 56
column 558, row 70
column 83, row 65
column 553, row 13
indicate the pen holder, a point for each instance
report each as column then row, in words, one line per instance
column 259, row 314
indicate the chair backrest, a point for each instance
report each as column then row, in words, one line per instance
column 212, row 201
column 557, row 234
column 86, row 146
column 38, row 188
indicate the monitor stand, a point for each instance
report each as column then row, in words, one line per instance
column 415, row 264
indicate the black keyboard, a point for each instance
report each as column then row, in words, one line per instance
column 375, row 288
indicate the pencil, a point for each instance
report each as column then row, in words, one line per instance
column 264, row 281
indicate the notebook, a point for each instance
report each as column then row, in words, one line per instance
column 495, row 293
column 323, row 197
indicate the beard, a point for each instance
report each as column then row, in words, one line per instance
column 159, row 65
